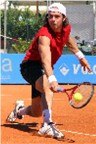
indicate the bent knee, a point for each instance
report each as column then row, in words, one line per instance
column 36, row 114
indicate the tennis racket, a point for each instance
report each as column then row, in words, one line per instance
column 85, row 89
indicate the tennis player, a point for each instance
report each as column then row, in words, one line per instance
column 37, row 68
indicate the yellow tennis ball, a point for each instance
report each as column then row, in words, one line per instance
column 77, row 96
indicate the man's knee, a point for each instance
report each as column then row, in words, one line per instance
column 36, row 113
column 39, row 114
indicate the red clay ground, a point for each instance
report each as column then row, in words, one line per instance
column 79, row 126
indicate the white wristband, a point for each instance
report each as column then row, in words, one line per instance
column 51, row 78
column 79, row 55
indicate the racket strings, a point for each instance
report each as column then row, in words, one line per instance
column 85, row 91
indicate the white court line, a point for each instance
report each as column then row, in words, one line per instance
column 55, row 99
column 79, row 133
column 5, row 95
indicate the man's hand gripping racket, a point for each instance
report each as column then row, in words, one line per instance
column 79, row 95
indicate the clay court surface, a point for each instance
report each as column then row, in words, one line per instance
column 79, row 126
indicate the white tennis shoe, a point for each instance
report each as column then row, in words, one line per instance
column 14, row 114
column 50, row 130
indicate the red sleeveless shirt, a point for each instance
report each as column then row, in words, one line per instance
column 57, row 42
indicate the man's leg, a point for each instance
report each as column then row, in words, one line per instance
column 35, row 109
column 48, row 127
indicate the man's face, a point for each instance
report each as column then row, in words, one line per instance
column 55, row 20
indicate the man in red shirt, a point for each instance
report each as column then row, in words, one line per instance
column 37, row 68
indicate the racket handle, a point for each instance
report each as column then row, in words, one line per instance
column 60, row 89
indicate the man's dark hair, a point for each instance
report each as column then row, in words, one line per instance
column 65, row 23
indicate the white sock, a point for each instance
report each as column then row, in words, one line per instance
column 47, row 114
column 22, row 111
